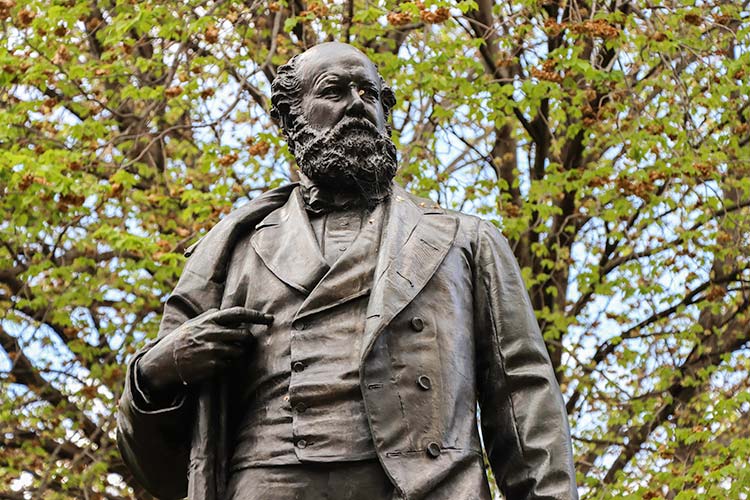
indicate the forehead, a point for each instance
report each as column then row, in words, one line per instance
column 337, row 63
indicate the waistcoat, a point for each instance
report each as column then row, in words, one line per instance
column 300, row 398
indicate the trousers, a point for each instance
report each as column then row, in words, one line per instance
column 362, row 480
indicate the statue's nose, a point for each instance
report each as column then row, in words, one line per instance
column 356, row 104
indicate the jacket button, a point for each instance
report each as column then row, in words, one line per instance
column 424, row 382
column 301, row 443
column 298, row 366
column 300, row 408
column 417, row 324
column 433, row 449
column 298, row 325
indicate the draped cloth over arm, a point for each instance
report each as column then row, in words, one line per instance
column 178, row 449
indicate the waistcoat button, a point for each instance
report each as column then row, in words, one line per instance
column 433, row 449
column 301, row 443
column 298, row 366
column 298, row 325
column 417, row 324
column 300, row 407
column 424, row 382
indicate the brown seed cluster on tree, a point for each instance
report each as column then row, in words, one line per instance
column 5, row 8
column 546, row 74
column 398, row 18
column 595, row 28
column 211, row 34
column 436, row 16
column 25, row 17
column 259, row 148
column 316, row 9
column 228, row 159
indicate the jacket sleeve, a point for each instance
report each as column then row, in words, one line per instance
column 155, row 440
column 524, row 423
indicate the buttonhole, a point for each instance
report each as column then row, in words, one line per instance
column 428, row 244
column 407, row 279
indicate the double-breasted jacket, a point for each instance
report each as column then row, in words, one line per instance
column 449, row 329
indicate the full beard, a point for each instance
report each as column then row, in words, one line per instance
column 353, row 156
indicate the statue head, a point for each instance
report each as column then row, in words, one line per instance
column 334, row 107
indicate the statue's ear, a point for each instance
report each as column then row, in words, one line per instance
column 387, row 98
column 287, row 123
column 283, row 119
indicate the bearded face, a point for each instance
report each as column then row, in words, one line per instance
column 353, row 155
column 333, row 106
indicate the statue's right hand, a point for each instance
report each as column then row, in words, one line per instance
column 199, row 348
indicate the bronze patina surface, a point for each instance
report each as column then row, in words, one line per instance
column 333, row 338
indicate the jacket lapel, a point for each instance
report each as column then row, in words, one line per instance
column 414, row 243
column 285, row 242
column 351, row 276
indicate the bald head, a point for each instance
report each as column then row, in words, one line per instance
column 333, row 50
column 325, row 55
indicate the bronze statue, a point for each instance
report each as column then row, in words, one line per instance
column 332, row 338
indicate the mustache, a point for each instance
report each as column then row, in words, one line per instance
column 350, row 124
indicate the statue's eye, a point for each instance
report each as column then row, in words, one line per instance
column 369, row 92
column 330, row 91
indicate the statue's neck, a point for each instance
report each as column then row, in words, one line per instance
column 319, row 198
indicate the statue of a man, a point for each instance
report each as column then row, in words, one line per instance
column 332, row 338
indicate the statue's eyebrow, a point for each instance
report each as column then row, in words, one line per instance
column 367, row 83
column 326, row 78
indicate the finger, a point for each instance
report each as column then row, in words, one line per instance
column 228, row 335
column 236, row 315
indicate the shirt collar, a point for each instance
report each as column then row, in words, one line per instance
column 321, row 199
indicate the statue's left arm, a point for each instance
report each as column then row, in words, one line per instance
column 524, row 423
column 154, row 434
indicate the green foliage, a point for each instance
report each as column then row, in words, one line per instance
column 609, row 142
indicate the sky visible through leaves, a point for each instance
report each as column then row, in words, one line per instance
column 609, row 141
